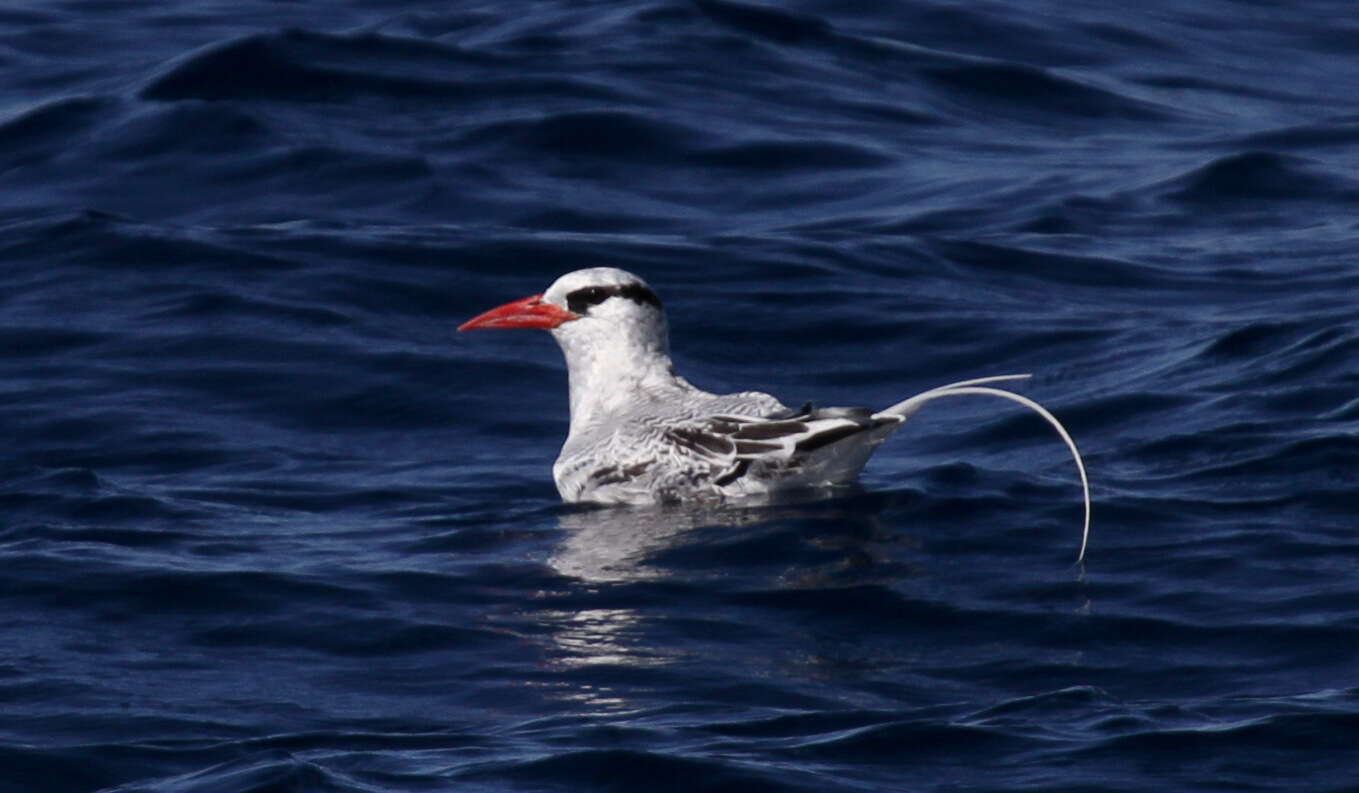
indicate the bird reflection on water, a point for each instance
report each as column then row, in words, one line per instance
column 633, row 560
column 618, row 544
column 637, row 582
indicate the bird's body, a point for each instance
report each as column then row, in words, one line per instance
column 642, row 434
column 705, row 447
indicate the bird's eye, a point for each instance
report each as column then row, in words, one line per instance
column 580, row 301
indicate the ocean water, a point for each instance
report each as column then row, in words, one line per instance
column 267, row 523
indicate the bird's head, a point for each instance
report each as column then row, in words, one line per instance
column 597, row 309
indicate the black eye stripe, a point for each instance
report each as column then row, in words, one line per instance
column 579, row 301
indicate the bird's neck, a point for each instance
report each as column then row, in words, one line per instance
column 609, row 377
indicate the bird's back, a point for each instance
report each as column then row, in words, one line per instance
column 711, row 447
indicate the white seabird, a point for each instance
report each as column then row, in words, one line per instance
column 641, row 434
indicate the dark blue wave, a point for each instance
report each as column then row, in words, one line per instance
column 766, row 21
column 1019, row 90
column 301, row 65
column 622, row 770
column 1262, row 177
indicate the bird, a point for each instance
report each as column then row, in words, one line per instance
column 641, row 434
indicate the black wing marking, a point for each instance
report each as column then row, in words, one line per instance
column 817, row 432
column 754, row 448
column 766, row 430
column 612, row 474
column 809, row 412
column 701, row 440
column 732, row 444
column 829, row 435
column 732, row 474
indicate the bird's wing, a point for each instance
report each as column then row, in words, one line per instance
column 731, row 444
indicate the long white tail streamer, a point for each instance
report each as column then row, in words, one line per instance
column 907, row 408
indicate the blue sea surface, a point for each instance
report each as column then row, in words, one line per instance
column 267, row 523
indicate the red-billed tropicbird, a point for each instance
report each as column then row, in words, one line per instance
column 641, row 434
